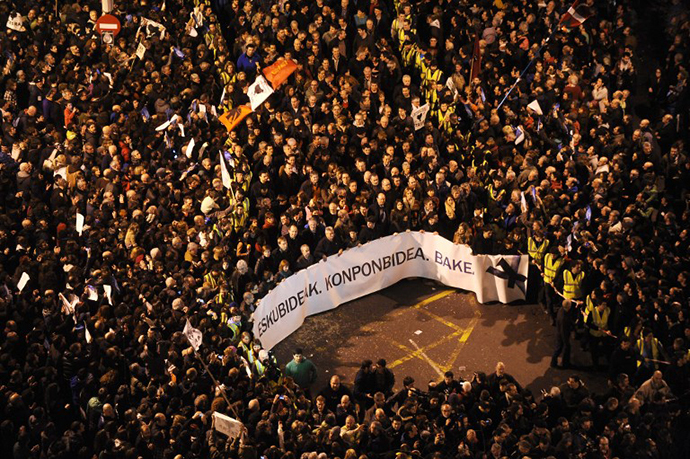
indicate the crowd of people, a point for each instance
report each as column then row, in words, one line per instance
column 116, row 226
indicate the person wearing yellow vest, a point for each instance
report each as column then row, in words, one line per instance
column 409, row 55
column 266, row 365
column 233, row 322
column 553, row 262
column 598, row 325
column 430, row 77
column 246, row 348
column 572, row 282
column 215, row 277
column 407, row 32
column 536, row 248
column 594, row 298
column 443, row 114
column 651, row 351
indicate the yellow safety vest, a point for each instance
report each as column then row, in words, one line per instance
column 397, row 26
column 495, row 195
column 259, row 367
column 409, row 56
column 551, row 267
column 655, row 350
column 572, row 285
column 419, row 64
column 432, row 99
column 589, row 306
column 248, row 352
column 431, row 77
column 536, row 250
column 234, row 328
column 444, row 120
column 601, row 321
column 402, row 34
column 212, row 281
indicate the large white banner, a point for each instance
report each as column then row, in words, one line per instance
column 363, row 270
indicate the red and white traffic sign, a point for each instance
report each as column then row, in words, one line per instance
column 108, row 24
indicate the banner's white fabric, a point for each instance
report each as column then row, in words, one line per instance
column 227, row 425
column 363, row 270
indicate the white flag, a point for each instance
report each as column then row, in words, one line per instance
column 181, row 129
column 15, row 21
column 203, row 148
column 145, row 22
column 87, row 335
column 80, row 223
column 193, row 335
column 450, row 84
column 163, row 126
column 141, row 50
column 23, row 281
column 419, row 116
column 17, row 150
column 227, row 425
column 519, row 135
column 222, row 97
column 69, row 306
column 536, row 108
column 108, row 292
column 224, row 173
column 523, row 202
column 190, row 148
column 259, row 91
column 92, row 294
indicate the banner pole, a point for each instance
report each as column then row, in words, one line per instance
column 529, row 64
column 215, row 382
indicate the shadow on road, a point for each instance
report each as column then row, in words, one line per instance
column 520, row 335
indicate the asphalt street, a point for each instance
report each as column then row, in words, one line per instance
column 423, row 329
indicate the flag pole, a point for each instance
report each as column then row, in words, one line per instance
column 529, row 64
column 215, row 381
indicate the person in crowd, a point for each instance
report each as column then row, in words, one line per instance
column 120, row 224
column 302, row 371
column 565, row 324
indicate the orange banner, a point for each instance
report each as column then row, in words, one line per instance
column 233, row 117
column 279, row 71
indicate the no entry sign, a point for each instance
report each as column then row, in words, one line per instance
column 108, row 24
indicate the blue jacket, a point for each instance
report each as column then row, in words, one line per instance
column 248, row 64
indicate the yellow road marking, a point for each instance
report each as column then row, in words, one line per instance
column 426, row 357
column 463, row 339
column 431, row 299
column 413, row 354
column 438, row 318
column 420, row 352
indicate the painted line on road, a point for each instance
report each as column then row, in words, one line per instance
column 419, row 306
column 462, row 341
column 428, row 360
column 415, row 354
column 463, row 335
